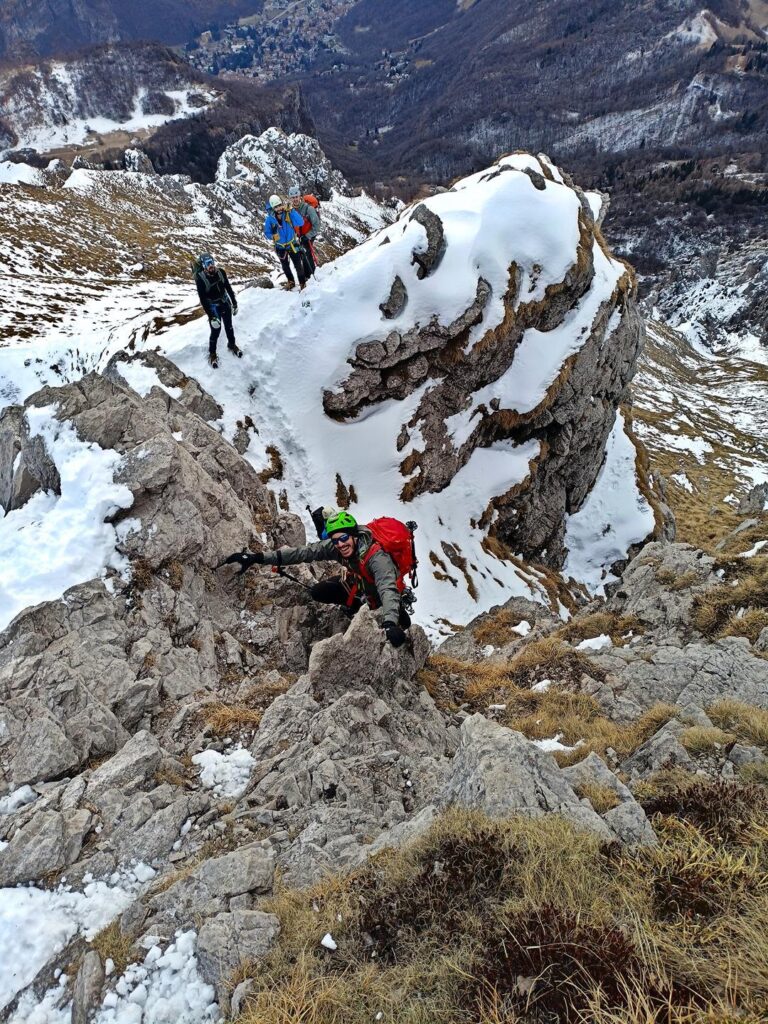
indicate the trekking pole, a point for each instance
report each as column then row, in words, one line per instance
column 278, row 570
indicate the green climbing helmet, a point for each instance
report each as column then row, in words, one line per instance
column 340, row 521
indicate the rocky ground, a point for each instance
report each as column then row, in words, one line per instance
column 224, row 741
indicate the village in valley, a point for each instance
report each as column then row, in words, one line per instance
column 284, row 39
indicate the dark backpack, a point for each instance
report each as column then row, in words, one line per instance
column 200, row 275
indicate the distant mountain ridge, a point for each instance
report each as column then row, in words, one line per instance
column 55, row 27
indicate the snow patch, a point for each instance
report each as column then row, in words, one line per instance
column 36, row 924
column 18, row 798
column 57, row 541
column 226, row 774
column 142, row 378
column 613, row 518
column 19, row 174
column 595, row 643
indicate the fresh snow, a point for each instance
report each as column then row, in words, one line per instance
column 18, row 798
column 553, row 743
column 541, row 687
column 595, row 643
column 19, row 174
column 682, row 481
column 613, row 518
column 489, row 222
column 226, row 774
column 165, row 989
column 755, row 550
column 697, row 446
column 57, row 541
column 328, row 942
column 36, row 924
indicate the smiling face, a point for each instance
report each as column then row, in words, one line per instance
column 345, row 543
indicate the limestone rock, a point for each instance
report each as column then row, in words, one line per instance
column 650, row 588
column 36, row 850
column 228, row 940
column 396, row 301
column 663, row 750
column 742, row 755
column 500, row 772
column 86, row 995
column 429, row 260
column 130, row 767
column 212, row 883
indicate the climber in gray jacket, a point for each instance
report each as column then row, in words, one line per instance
column 369, row 576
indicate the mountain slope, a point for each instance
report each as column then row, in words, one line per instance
column 101, row 258
column 58, row 26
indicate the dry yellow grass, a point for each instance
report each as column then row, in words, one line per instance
column 602, row 798
column 586, row 627
column 224, row 719
column 739, row 606
column 749, row 723
column 700, row 739
column 111, row 943
column 441, row 932
column 560, row 709
column 497, row 629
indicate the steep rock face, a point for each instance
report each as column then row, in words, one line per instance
column 578, row 321
column 78, row 675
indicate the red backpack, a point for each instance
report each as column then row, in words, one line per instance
column 306, row 227
column 396, row 539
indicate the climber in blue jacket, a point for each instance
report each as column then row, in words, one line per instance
column 280, row 228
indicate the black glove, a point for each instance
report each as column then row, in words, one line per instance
column 396, row 636
column 244, row 560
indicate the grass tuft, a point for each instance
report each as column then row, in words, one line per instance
column 112, row 944
column 224, row 719
column 701, row 739
column 748, row 723
column 602, row 797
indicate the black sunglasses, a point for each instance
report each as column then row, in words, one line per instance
column 341, row 538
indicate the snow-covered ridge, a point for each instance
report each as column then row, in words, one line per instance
column 76, row 297
column 418, row 431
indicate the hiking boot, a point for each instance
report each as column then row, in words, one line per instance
column 289, row 285
column 213, row 359
column 235, row 351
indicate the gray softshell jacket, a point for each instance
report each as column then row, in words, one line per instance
column 379, row 565
column 308, row 212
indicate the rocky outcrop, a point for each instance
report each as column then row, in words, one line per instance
column 474, row 371
column 77, row 677
column 274, row 161
column 113, row 682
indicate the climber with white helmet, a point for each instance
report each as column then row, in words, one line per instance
column 308, row 207
column 281, row 227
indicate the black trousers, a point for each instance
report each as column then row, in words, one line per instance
column 333, row 591
column 288, row 256
column 223, row 312
column 309, row 255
